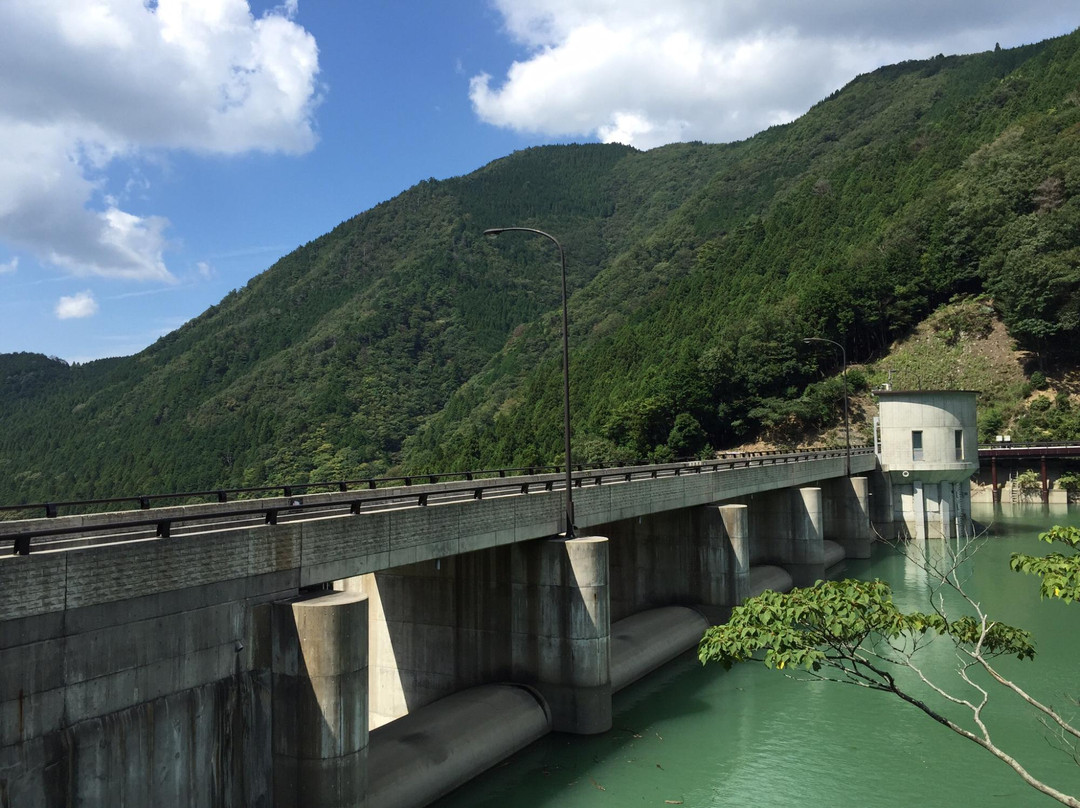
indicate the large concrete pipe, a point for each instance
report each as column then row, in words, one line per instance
column 767, row 576
column 834, row 553
column 643, row 642
column 427, row 753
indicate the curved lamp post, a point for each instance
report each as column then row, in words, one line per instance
column 847, row 427
column 494, row 231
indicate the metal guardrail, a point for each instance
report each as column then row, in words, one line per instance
column 1041, row 445
column 145, row 502
column 353, row 495
column 1050, row 449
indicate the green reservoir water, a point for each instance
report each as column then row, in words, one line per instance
column 752, row 737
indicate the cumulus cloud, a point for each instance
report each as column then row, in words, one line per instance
column 9, row 266
column 76, row 306
column 83, row 84
column 643, row 73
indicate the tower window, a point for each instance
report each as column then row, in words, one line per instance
column 916, row 445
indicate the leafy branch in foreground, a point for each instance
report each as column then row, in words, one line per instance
column 851, row 632
column 1060, row 573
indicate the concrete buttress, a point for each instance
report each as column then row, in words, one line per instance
column 807, row 561
column 319, row 700
column 736, row 524
column 561, row 629
column 847, row 510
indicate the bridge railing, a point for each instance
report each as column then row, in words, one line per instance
column 1007, row 445
column 145, row 520
column 1004, row 450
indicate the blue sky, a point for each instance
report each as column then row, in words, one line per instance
column 158, row 154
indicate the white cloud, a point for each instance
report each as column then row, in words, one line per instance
column 204, row 270
column 9, row 266
column 76, row 306
column 645, row 74
column 82, row 84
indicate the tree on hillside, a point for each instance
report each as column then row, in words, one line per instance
column 851, row 632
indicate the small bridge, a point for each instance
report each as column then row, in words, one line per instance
column 1013, row 455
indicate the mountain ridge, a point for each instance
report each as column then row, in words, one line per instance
column 403, row 337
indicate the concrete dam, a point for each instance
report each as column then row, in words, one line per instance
column 380, row 647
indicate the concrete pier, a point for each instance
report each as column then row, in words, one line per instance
column 806, row 563
column 736, row 527
column 561, row 640
column 320, row 686
column 846, row 504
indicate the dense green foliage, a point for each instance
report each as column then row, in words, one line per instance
column 852, row 223
column 405, row 338
column 1059, row 573
column 830, row 625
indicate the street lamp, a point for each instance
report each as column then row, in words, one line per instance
column 494, row 231
column 847, row 426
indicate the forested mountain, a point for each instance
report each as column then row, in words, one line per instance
column 403, row 337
